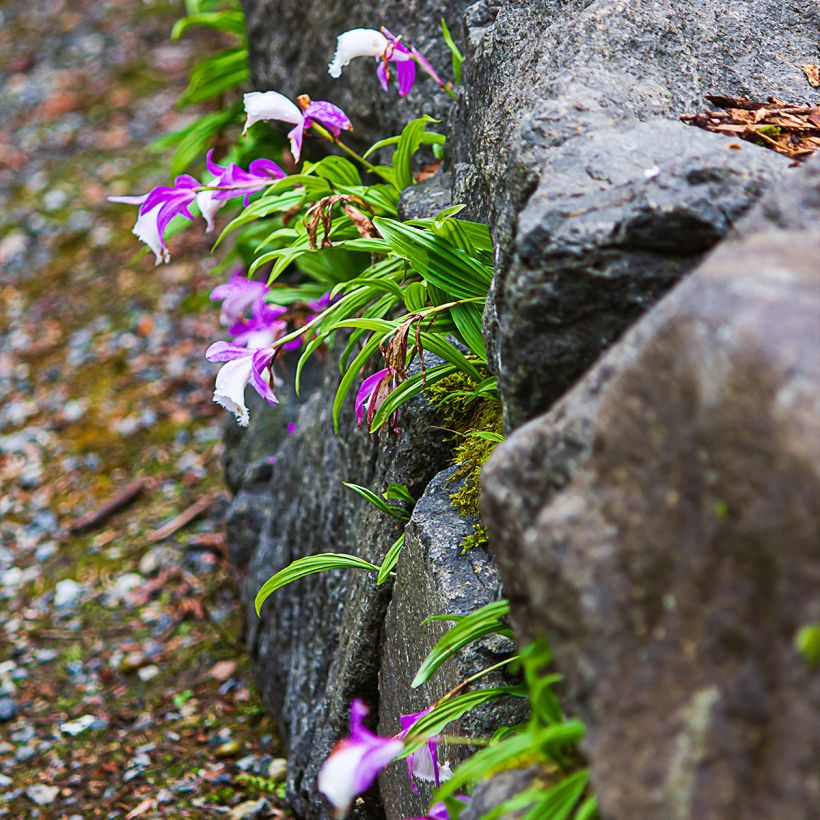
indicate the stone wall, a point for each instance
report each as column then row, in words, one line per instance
column 618, row 530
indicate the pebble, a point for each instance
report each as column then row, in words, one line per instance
column 278, row 769
column 82, row 724
column 132, row 662
column 249, row 809
column 67, row 593
column 24, row 753
column 8, row 710
column 5, row 781
column 227, row 749
column 41, row 794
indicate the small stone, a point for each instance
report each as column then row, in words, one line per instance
column 227, row 749
column 165, row 796
column 44, row 656
column 67, row 594
column 41, row 794
column 5, row 781
column 23, row 735
column 132, row 662
column 278, row 769
column 8, row 710
column 24, row 754
column 76, row 727
column 249, row 809
column 246, row 763
column 148, row 672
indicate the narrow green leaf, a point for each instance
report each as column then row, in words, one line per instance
column 468, row 628
column 457, row 56
column 390, row 560
column 309, row 565
column 399, row 513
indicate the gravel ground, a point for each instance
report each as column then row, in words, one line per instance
column 123, row 687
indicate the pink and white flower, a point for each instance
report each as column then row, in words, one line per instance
column 423, row 764
column 242, row 365
column 388, row 50
column 356, row 761
column 271, row 105
column 238, row 295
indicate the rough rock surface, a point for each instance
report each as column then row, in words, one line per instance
column 316, row 645
column 670, row 533
column 435, row 578
column 292, row 44
column 567, row 139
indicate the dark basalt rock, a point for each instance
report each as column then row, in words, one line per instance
column 567, row 140
column 436, row 577
column 316, row 646
column 665, row 516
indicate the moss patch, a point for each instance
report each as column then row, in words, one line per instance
column 476, row 424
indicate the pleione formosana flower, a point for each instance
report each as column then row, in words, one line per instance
column 237, row 295
column 388, row 50
column 242, row 365
column 423, row 764
column 271, row 105
column 160, row 205
column 353, row 766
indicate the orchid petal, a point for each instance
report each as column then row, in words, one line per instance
column 355, row 762
column 381, row 73
column 295, row 136
column 146, row 229
column 406, row 75
column 366, row 391
column 269, row 105
column 229, row 390
column 358, row 42
column 225, row 352
column 260, row 376
column 329, row 115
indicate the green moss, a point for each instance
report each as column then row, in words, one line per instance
column 468, row 416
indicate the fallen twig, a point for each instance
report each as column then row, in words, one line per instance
column 102, row 513
column 184, row 518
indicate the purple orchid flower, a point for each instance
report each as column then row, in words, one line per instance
column 271, row 105
column 242, row 365
column 387, row 49
column 239, row 293
column 263, row 327
column 423, row 764
column 438, row 811
column 145, row 228
column 260, row 174
column 356, row 761
column 157, row 208
column 374, row 390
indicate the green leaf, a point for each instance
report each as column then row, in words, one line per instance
column 398, row 492
column 588, row 810
column 518, row 748
column 468, row 628
column 457, row 56
column 558, row 802
column 807, row 643
column 350, row 377
column 337, row 170
column 390, row 560
column 309, row 565
column 232, row 22
column 454, row 707
column 399, row 513
column 437, row 261
column 407, row 390
column 215, row 75
column 412, row 136
column 469, row 320
column 415, row 296
column 487, row 435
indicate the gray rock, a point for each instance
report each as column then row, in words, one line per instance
column 567, row 140
column 315, row 648
column 8, row 710
column 291, row 46
column 660, row 525
column 435, row 577
column 496, row 791
column 41, row 794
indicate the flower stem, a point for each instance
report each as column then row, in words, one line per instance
column 349, row 151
